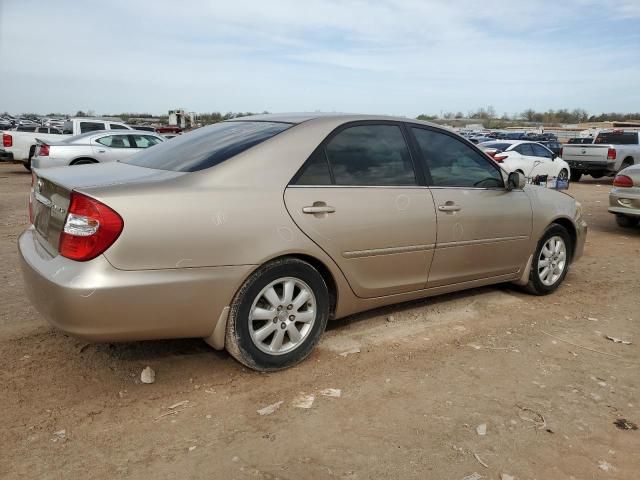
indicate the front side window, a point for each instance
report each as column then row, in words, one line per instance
column 453, row 163
column 144, row 141
column 540, row 151
column 524, row 149
column 373, row 155
column 115, row 141
column 207, row 146
column 91, row 126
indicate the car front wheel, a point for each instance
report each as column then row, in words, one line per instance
column 550, row 261
column 625, row 221
column 278, row 315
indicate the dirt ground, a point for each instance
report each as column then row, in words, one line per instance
column 538, row 371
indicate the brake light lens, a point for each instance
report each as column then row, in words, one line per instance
column 500, row 158
column 43, row 151
column 623, row 181
column 611, row 154
column 7, row 140
column 90, row 228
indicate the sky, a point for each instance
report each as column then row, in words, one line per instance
column 397, row 57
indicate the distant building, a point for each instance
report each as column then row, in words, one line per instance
column 182, row 119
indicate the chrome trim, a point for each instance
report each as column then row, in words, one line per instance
column 43, row 200
column 481, row 241
column 387, row 251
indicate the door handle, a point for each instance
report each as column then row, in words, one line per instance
column 318, row 209
column 101, row 151
column 449, row 208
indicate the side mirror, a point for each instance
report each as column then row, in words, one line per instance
column 516, row 181
column 554, row 156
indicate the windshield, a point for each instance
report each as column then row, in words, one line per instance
column 207, row 146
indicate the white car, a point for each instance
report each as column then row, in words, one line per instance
column 530, row 158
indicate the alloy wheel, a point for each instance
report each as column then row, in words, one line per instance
column 282, row 316
column 552, row 260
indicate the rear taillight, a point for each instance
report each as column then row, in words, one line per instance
column 43, row 151
column 31, row 197
column 611, row 154
column 89, row 229
column 622, row 181
column 7, row 140
column 500, row 158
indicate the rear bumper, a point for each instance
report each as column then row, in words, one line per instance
column 97, row 302
column 6, row 156
column 624, row 203
column 585, row 166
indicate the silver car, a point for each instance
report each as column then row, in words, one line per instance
column 624, row 199
column 93, row 147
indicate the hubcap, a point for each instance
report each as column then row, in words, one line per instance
column 552, row 260
column 282, row 316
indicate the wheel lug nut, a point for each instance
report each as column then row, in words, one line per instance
column 289, row 307
column 283, row 325
column 279, row 307
column 275, row 320
column 292, row 317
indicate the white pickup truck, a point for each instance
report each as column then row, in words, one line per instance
column 611, row 151
column 20, row 146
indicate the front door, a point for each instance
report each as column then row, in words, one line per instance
column 358, row 198
column 483, row 229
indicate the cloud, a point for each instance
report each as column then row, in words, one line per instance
column 393, row 56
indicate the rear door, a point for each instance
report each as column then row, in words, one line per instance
column 544, row 161
column 359, row 198
column 110, row 148
column 483, row 229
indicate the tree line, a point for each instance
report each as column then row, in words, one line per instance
column 550, row 117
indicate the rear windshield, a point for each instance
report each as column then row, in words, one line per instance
column 207, row 146
column 618, row 138
column 501, row 146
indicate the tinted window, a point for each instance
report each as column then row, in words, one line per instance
column 207, row 146
column 144, row 141
column 540, row 151
column 453, row 163
column 618, row 138
column 115, row 126
column 524, row 149
column 91, row 126
column 316, row 171
column 370, row 155
column 115, row 141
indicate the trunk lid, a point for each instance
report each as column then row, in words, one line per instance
column 52, row 188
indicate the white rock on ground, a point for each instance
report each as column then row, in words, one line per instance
column 148, row 375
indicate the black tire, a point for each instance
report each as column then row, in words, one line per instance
column 626, row 163
column 597, row 174
column 238, row 341
column 626, row 221
column 83, row 161
column 27, row 164
column 576, row 176
column 563, row 175
column 535, row 285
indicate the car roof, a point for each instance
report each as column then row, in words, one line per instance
column 510, row 142
column 300, row 117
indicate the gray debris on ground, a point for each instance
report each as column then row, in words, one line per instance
column 148, row 375
column 269, row 409
column 481, row 429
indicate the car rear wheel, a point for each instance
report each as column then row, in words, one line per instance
column 278, row 315
column 550, row 261
column 597, row 174
column 576, row 176
column 626, row 163
column 625, row 221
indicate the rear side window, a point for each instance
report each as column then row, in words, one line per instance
column 524, row 149
column 540, row 151
column 316, row 170
column 373, row 155
column 116, row 126
column 453, row 163
column 207, row 146
column 91, row 126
